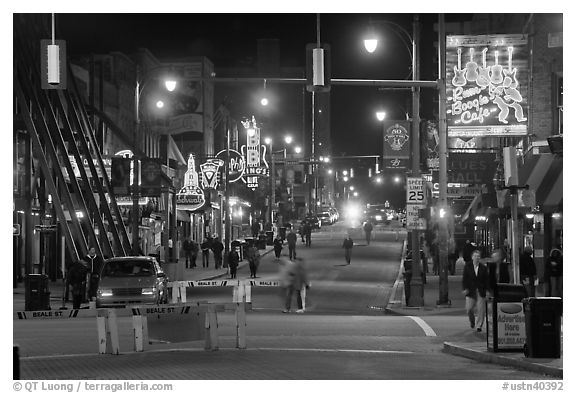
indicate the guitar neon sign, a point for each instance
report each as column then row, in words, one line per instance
column 484, row 96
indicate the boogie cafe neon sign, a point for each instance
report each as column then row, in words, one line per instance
column 486, row 76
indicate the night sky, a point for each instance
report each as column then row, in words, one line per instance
column 230, row 39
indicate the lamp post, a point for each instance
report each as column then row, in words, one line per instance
column 269, row 142
column 140, row 84
column 416, row 286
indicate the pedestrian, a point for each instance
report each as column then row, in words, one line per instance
column 217, row 248
column 205, row 247
column 188, row 248
column 474, row 284
column 95, row 263
column 255, row 228
column 76, row 277
column 233, row 261
column 301, row 230
column 291, row 239
column 307, row 230
column 347, row 246
column 295, row 281
column 253, row 259
column 502, row 266
column 528, row 272
column 278, row 246
column 368, row 231
column 467, row 250
column 553, row 273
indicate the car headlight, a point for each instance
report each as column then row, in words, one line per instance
column 378, row 217
column 104, row 292
column 148, row 291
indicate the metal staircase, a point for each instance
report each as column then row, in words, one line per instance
column 60, row 133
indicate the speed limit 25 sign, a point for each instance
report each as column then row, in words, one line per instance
column 415, row 191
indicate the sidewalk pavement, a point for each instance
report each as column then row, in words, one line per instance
column 474, row 346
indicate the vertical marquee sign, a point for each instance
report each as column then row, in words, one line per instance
column 254, row 154
column 487, row 85
column 396, row 146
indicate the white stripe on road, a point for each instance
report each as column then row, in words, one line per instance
column 331, row 350
column 427, row 329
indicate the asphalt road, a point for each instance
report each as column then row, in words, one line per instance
column 343, row 335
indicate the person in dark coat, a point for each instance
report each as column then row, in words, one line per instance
column 307, row 231
column 217, row 248
column 553, row 273
column 278, row 243
column 347, row 246
column 368, row 231
column 255, row 228
column 474, row 284
column 191, row 252
column 291, row 239
column 233, row 261
column 467, row 250
column 205, row 247
column 528, row 271
column 253, row 259
column 95, row 263
column 77, row 279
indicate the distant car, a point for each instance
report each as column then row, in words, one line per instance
column 325, row 218
column 131, row 280
column 314, row 221
column 334, row 213
column 376, row 215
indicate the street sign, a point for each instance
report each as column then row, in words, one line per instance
column 415, row 192
column 46, row 228
column 413, row 219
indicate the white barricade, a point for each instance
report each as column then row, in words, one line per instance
column 242, row 291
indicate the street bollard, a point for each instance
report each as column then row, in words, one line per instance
column 16, row 363
column 107, row 332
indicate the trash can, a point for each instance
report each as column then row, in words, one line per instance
column 505, row 321
column 37, row 293
column 270, row 238
column 543, row 320
column 261, row 243
column 282, row 232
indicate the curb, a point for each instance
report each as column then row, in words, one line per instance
column 488, row 357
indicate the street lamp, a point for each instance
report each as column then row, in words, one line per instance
column 141, row 80
column 411, row 44
column 380, row 115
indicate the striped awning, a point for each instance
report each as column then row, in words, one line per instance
column 543, row 174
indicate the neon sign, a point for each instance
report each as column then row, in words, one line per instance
column 191, row 197
column 236, row 164
column 255, row 153
column 486, row 95
column 210, row 173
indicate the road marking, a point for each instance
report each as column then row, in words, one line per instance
column 427, row 329
column 333, row 350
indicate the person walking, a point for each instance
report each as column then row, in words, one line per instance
column 205, row 247
column 77, row 279
column 255, row 229
column 307, row 230
column 474, row 284
column 295, row 280
column 278, row 246
column 217, row 248
column 253, row 259
column 553, row 273
column 347, row 246
column 95, row 263
column 528, row 271
column 190, row 252
column 368, row 231
column 291, row 238
column 502, row 266
column 233, row 261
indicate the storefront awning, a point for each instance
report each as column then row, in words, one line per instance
column 543, row 174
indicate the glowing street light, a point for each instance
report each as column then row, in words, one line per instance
column 397, row 179
column 380, row 115
column 170, row 85
column 288, row 139
column 160, row 104
column 297, row 150
column 264, row 101
column 351, row 188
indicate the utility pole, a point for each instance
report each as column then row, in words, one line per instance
column 272, row 182
column 416, row 285
column 447, row 220
column 227, row 191
column 135, row 169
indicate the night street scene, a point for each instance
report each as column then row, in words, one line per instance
column 287, row 196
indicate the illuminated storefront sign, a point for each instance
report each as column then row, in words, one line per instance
column 254, row 152
column 487, row 85
column 210, row 173
column 236, row 165
column 191, row 197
